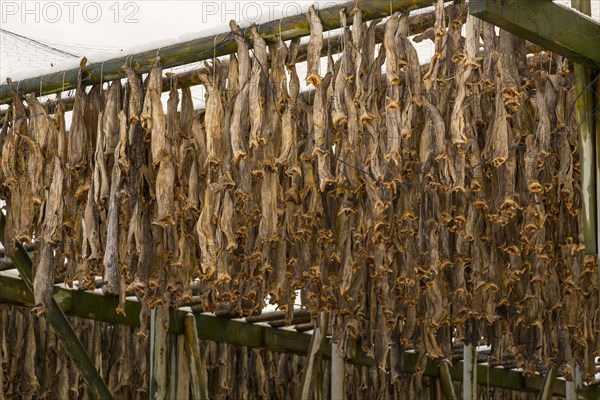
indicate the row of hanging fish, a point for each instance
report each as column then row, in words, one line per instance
column 422, row 206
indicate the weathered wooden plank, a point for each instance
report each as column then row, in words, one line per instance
column 547, row 24
column 203, row 48
column 159, row 358
column 587, row 153
column 447, row 385
column 182, row 388
column 546, row 392
column 338, row 388
column 102, row 308
column 597, row 133
column 198, row 376
column 60, row 324
column 315, row 354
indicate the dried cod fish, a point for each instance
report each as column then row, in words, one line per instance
column 315, row 45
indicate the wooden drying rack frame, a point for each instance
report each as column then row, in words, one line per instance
column 579, row 45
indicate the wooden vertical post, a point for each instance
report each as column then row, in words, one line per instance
column 570, row 393
column 578, row 379
column 597, row 137
column 158, row 356
column 183, row 370
column 469, row 372
column 547, row 384
column 446, row 379
column 173, row 371
column 197, row 368
column 338, row 388
column 313, row 359
column 587, row 151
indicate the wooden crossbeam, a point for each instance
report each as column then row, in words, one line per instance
column 417, row 24
column 550, row 25
column 203, row 48
column 102, row 308
column 59, row 323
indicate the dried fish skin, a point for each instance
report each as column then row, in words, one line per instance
column 152, row 118
column 101, row 181
column 90, row 251
column 391, row 56
column 321, row 145
column 112, row 272
column 279, row 54
column 257, row 90
column 110, row 118
column 53, row 218
column 213, row 120
column 288, row 138
column 165, row 184
column 237, row 136
column 43, row 281
column 315, row 44
column 78, row 135
column 40, row 127
column 205, row 231
column 174, row 131
column 498, row 143
column 243, row 54
column 267, row 230
column 35, row 166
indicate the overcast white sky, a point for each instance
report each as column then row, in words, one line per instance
column 130, row 23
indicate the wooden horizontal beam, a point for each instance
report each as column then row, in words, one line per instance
column 543, row 22
column 102, row 308
column 203, row 48
column 417, row 24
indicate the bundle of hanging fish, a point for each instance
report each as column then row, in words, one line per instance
column 421, row 205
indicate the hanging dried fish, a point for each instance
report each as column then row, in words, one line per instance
column 152, row 116
column 257, row 90
column 110, row 119
column 315, row 44
column 78, row 136
column 322, row 145
column 399, row 212
column 389, row 42
column 213, row 118
column 43, row 281
column 111, row 254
